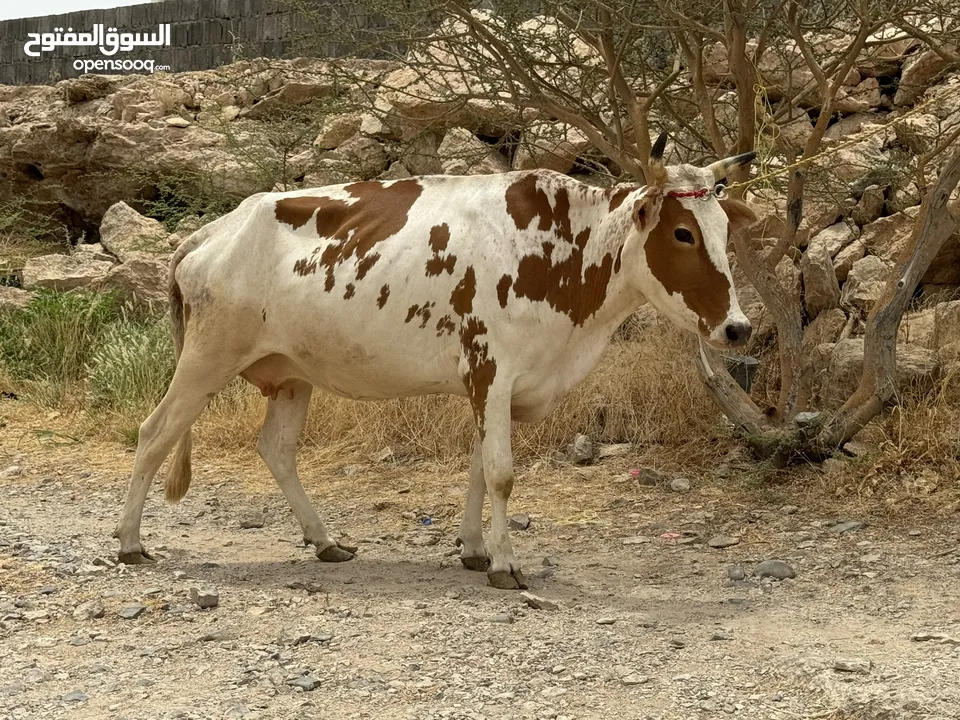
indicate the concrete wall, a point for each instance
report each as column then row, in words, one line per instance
column 200, row 36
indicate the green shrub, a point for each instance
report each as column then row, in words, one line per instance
column 45, row 346
column 132, row 366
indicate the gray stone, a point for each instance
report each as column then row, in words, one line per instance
column 723, row 541
column 12, row 298
column 252, row 521
column 75, row 696
column 650, row 477
column 581, row 451
column 305, row 682
column 537, row 602
column 848, row 526
column 855, row 665
column 777, row 569
column 204, row 597
column 132, row 612
column 500, row 618
column 62, row 272
column 606, row 621
column 520, row 521
column 735, row 572
column 789, row 509
column 680, row 485
column 89, row 610
column 635, row 680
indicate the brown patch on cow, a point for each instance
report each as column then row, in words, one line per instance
column 423, row 312
column 481, row 368
column 439, row 237
column 687, row 269
column 350, row 291
column 364, row 265
column 616, row 263
column 445, row 325
column 186, row 313
column 379, row 212
column 569, row 286
column 503, row 289
column 462, row 296
column 384, row 294
column 616, row 196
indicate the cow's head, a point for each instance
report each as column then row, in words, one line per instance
column 680, row 226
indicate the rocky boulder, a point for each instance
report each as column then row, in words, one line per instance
column 360, row 157
column 462, row 153
column 141, row 281
column 821, row 289
column 919, row 72
column 63, row 272
column 127, row 234
column 865, row 283
column 825, row 328
column 554, row 146
column 838, row 368
column 845, row 259
column 888, row 236
column 12, row 298
column 337, row 129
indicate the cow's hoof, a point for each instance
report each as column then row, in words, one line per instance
column 477, row 563
column 136, row 558
column 503, row 580
column 335, row 554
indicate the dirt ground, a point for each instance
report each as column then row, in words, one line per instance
column 649, row 623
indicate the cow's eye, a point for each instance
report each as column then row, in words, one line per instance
column 683, row 235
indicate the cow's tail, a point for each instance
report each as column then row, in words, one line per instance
column 179, row 472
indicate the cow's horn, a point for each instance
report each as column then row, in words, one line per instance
column 721, row 168
column 656, row 153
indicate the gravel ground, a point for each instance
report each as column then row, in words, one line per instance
column 660, row 608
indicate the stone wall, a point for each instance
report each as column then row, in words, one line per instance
column 204, row 34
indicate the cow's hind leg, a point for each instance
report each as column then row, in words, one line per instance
column 473, row 554
column 286, row 412
column 196, row 380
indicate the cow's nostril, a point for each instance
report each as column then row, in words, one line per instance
column 738, row 333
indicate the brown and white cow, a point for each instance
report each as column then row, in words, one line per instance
column 501, row 288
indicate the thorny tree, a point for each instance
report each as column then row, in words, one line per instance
column 582, row 87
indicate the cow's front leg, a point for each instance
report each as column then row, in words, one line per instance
column 504, row 571
column 473, row 553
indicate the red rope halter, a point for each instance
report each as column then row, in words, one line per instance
column 701, row 193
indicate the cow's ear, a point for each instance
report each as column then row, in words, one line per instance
column 646, row 209
column 740, row 215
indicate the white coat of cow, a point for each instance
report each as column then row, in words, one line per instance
column 502, row 288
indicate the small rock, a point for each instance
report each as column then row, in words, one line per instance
column 606, row 621
column 177, row 122
column 251, row 521
column 217, row 636
column 520, row 521
column 848, row 526
column 735, row 572
column 723, row 541
column 75, row 696
column 649, row 477
column 853, row 666
column 676, row 643
column 500, row 618
column 718, row 636
column 47, row 590
column 204, row 597
column 635, row 680
column 680, row 485
column 776, row 569
column 537, row 602
column 789, row 509
column 384, row 455
column 616, row 450
column 581, row 450
column 132, row 612
column 934, row 637
column 90, row 610
column 638, row 540
column 550, row 561
column 306, row 682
